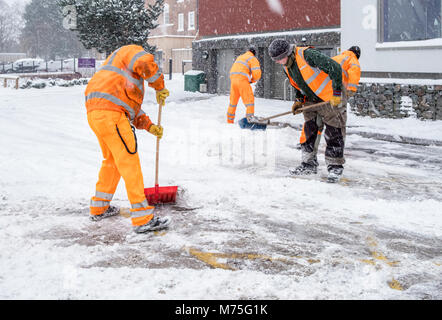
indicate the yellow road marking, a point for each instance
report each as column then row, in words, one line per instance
column 368, row 261
column 379, row 255
column 312, row 261
column 125, row 212
column 376, row 255
column 394, row 284
column 211, row 258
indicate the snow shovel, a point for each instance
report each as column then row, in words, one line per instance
column 159, row 194
column 262, row 123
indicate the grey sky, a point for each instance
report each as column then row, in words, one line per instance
column 16, row 1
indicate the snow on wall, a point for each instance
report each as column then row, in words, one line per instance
column 275, row 6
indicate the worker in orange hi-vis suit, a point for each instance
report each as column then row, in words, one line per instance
column 245, row 70
column 113, row 101
column 351, row 69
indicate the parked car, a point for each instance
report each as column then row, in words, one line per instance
column 6, row 68
column 26, row 65
column 57, row 65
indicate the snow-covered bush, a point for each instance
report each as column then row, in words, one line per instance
column 43, row 83
column 40, row 84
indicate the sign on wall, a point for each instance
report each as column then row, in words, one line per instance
column 86, row 62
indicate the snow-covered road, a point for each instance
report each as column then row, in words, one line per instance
column 255, row 233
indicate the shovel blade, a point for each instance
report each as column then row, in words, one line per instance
column 245, row 124
column 158, row 195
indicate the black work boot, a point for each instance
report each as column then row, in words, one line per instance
column 334, row 173
column 304, row 169
column 110, row 212
column 156, row 223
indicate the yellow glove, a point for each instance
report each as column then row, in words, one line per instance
column 156, row 130
column 162, row 95
column 335, row 101
column 296, row 105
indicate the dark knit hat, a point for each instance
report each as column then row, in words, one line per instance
column 356, row 50
column 279, row 49
column 252, row 49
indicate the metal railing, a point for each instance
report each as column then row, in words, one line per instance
column 183, row 64
column 59, row 65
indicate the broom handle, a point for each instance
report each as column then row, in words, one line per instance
column 157, row 160
column 300, row 110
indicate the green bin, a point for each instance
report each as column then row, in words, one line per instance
column 193, row 79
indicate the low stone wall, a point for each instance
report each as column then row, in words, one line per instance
column 379, row 100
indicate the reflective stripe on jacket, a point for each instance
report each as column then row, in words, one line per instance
column 119, row 84
column 318, row 81
column 246, row 65
column 351, row 69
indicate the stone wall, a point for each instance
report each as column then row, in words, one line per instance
column 379, row 100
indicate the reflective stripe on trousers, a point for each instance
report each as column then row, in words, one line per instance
column 100, row 202
column 117, row 162
column 141, row 213
column 240, row 88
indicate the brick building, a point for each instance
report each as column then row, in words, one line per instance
column 227, row 28
column 178, row 26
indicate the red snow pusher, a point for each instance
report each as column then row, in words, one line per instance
column 159, row 194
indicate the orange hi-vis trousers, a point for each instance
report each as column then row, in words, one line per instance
column 118, row 162
column 240, row 88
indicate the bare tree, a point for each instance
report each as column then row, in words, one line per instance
column 11, row 23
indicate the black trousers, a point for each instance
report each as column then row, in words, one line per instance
column 334, row 151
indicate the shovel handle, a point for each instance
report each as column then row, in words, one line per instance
column 276, row 116
column 157, row 158
column 297, row 111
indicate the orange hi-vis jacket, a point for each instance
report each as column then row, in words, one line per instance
column 245, row 70
column 351, row 69
column 316, row 79
column 119, row 84
column 246, row 65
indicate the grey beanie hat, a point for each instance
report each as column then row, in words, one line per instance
column 279, row 49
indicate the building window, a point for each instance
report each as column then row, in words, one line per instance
column 405, row 20
column 191, row 20
column 166, row 14
column 180, row 21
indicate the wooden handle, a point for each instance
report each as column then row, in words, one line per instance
column 276, row 116
column 297, row 111
column 300, row 110
column 157, row 159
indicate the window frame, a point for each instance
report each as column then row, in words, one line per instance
column 189, row 20
column 381, row 27
column 166, row 14
column 180, row 23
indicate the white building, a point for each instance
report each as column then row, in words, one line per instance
column 398, row 38
column 401, row 50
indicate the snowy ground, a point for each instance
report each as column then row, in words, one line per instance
column 257, row 233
